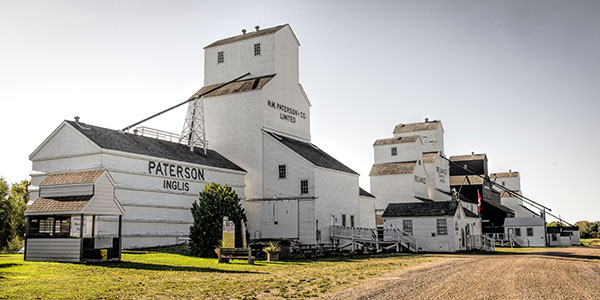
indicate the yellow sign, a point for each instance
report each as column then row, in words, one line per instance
column 228, row 233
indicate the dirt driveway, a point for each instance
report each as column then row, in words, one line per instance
column 554, row 273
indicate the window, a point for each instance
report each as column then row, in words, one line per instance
column 529, row 231
column 220, row 57
column 304, row 186
column 351, row 221
column 442, row 227
column 407, row 226
column 518, row 231
column 256, row 49
column 344, row 220
column 282, row 172
column 46, row 225
column 394, row 151
column 554, row 238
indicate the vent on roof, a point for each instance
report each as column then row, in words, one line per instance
column 257, row 27
column 243, row 31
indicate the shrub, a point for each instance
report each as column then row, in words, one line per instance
column 215, row 202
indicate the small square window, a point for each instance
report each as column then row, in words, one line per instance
column 518, row 231
column 394, row 151
column 344, row 220
column 256, row 49
column 351, row 221
column 529, row 231
column 282, row 172
column 304, row 186
column 220, row 57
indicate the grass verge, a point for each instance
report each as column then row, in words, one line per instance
column 590, row 242
column 155, row 275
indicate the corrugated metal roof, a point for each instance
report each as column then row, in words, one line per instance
column 235, row 87
column 393, row 168
column 458, row 180
column 429, row 157
column 400, row 140
column 246, row 36
column 413, row 127
column 504, row 175
column 468, row 157
column 421, row 209
column 59, row 204
column 72, row 177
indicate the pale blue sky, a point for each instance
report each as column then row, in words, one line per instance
column 518, row 80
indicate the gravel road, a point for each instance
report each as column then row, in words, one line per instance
column 554, row 273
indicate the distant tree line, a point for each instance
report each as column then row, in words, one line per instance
column 589, row 230
column 13, row 202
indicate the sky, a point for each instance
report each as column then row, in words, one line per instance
column 517, row 80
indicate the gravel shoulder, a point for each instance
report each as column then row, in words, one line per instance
column 553, row 273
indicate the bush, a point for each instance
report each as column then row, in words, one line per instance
column 215, row 202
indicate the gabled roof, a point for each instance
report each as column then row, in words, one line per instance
column 393, row 168
column 458, row 180
column 364, row 193
column 72, row 177
column 400, row 140
column 414, row 127
column 468, row 157
column 504, row 175
column 59, row 204
column 526, row 221
column 312, row 153
column 429, row 157
column 241, row 86
column 131, row 143
column 421, row 209
column 246, row 36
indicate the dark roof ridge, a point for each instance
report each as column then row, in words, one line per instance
column 245, row 36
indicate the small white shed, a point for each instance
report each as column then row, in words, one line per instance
column 526, row 231
column 61, row 225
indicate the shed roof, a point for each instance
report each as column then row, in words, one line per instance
column 312, row 153
column 131, row 143
column 393, row 168
column 468, row 157
column 525, row 221
column 414, row 127
column 400, row 140
column 72, row 177
column 59, row 204
column 246, row 36
column 364, row 193
column 241, row 86
column 421, row 209
column 504, row 175
column 458, row 180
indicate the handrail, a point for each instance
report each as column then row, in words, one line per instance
column 370, row 234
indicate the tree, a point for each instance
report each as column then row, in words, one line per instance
column 13, row 202
column 214, row 203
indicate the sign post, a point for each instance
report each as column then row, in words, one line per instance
column 228, row 233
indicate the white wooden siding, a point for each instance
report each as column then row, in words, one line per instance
column 103, row 201
column 71, row 190
column 65, row 141
column 53, row 249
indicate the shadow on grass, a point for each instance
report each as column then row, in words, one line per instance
column 8, row 265
column 159, row 267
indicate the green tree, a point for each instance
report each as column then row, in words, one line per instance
column 215, row 202
column 13, row 203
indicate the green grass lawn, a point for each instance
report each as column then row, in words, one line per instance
column 590, row 242
column 147, row 274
